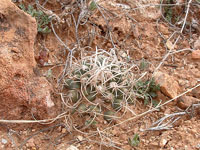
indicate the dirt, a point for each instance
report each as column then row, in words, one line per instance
column 141, row 33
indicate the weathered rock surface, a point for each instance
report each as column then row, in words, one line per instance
column 21, row 91
column 196, row 52
column 186, row 101
column 197, row 44
column 72, row 148
column 196, row 92
column 196, row 55
column 168, row 85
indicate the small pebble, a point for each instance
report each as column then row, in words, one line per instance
column 80, row 138
column 33, row 130
column 163, row 142
column 64, row 130
column 196, row 54
column 72, row 148
column 59, row 128
column 198, row 146
column 4, row 141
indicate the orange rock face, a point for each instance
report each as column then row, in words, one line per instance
column 22, row 93
column 168, row 85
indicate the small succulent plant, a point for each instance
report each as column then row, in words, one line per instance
column 108, row 115
column 102, row 78
column 41, row 18
column 71, row 84
column 74, row 95
column 92, row 6
column 147, row 90
column 134, row 141
column 117, row 104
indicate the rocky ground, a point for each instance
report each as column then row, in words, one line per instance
column 163, row 36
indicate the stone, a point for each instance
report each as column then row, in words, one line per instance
column 30, row 143
column 22, row 91
column 198, row 146
column 196, row 92
column 71, row 147
column 164, row 29
column 167, row 111
column 183, row 82
column 59, row 129
column 80, row 138
column 168, row 85
column 186, row 101
column 4, row 141
column 161, row 96
column 126, row 146
column 197, row 44
column 163, row 142
column 64, row 130
column 196, row 54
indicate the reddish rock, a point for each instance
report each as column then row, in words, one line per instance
column 196, row 54
column 197, row 44
column 164, row 29
column 21, row 91
column 196, row 92
column 186, row 101
column 30, row 143
column 71, row 147
column 168, row 85
column 161, row 96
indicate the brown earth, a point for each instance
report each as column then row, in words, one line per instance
column 140, row 32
